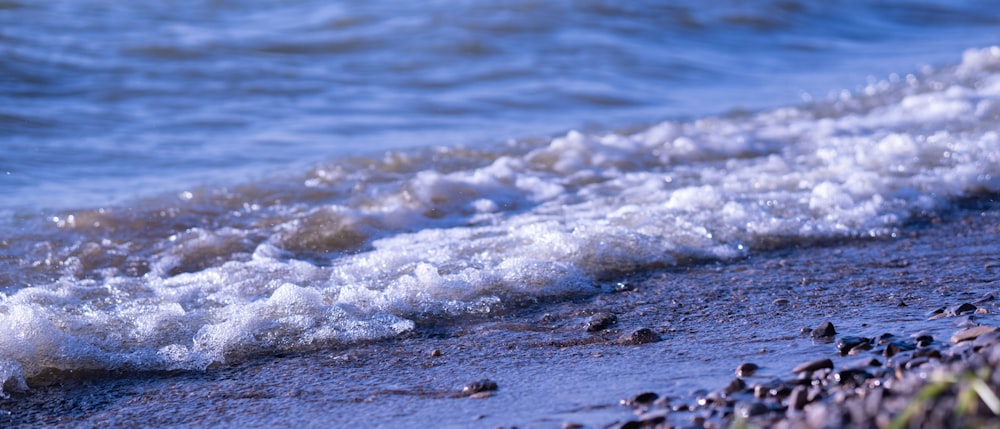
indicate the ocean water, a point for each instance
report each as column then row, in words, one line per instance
column 194, row 183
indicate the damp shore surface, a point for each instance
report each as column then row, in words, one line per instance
column 552, row 365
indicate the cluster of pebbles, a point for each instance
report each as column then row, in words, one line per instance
column 888, row 381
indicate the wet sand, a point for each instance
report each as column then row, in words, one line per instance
column 549, row 368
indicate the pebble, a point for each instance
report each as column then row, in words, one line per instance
column 641, row 399
column 936, row 313
column 653, row 418
column 484, row 385
column 846, row 343
column 601, row 321
column 852, row 377
column 860, row 348
column 923, row 339
column 866, row 393
column 963, row 308
column 735, row 386
column 896, row 347
column 746, row 369
column 972, row 333
column 750, row 409
column 631, row 424
column 986, row 298
column 987, row 339
column 814, row 366
column 640, row 336
column 825, row 329
column 798, row 398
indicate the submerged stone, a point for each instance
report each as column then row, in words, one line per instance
column 814, row 366
column 640, row 336
column 484, row 385
column 746, row 369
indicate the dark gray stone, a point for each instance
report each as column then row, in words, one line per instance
column 798, row 398
column 746, row 369
column 814, row 366
column 484, row 385
column 640, row 336
column 735, row 386
column 601, row 321
column 845, row 344
column 824, row 330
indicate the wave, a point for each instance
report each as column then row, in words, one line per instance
column 362, row 249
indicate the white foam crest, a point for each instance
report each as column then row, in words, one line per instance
column 189, row 321
column 714, row 188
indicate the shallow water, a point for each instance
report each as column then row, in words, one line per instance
column 196, row 186
column 102, row 102
column 551, row 370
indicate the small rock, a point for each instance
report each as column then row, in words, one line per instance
column 601, row 321
column 845, row 344
column 853, row 377
column 896, row 347
column 484, row 385
column 928, row 352
column 964, row 308
column 653, row 418
column 624, row 287
column 858, row 349
column 923, row 339
column 885, row 338
column 735, row 386
column 711, row 398
column 814, row 366
column 873, row 401
column 640, row 336
column 936, row 313
column 972, row 333
column 987, row 339
column 798, row 398
column 915, row 362
column 872, row 362
column 746, row 369
column 437, row 353
column 986, row 298
column 825, row 329
column 750, row 409
column 641, row 399
column 631, row 424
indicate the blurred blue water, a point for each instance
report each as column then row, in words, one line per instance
column 104, row 101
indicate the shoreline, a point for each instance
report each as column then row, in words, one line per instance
column 553, row 369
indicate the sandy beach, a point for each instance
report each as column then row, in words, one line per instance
column 550, row 370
